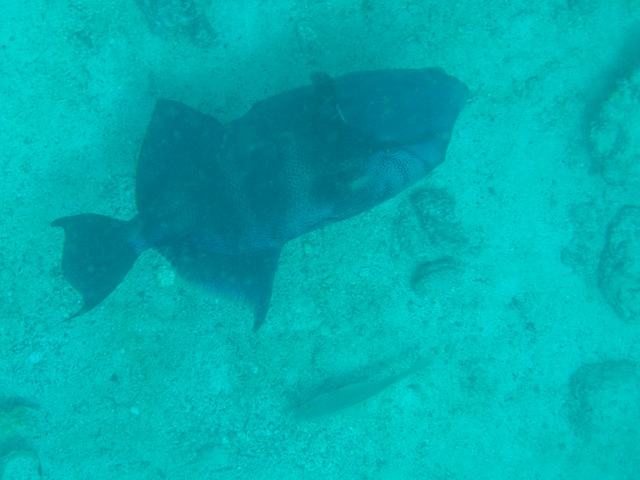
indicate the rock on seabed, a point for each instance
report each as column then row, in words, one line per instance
column 614, row 137
column 619, row 270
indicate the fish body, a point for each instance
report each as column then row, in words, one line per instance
column 219, row 201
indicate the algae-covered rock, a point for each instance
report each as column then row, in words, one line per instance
column 604, row 401
column 427, row 225
column 614, row 138
column 20, row 465
column 583, row 251
column 603, row 407
column 619, row 272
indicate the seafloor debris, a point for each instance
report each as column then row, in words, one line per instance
column 428, row 275
column 619, row 272
column 330, row 402
column 178, row 18
column 614, row 135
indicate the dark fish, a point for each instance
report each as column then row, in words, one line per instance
column 219, row 201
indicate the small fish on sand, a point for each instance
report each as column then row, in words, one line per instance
column 336, row 401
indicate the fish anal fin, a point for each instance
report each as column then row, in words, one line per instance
column 247, row 276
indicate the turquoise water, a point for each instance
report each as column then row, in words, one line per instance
column 512, row 270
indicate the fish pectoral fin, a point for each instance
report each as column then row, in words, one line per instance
column 247, row 276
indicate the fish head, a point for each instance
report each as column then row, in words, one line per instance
column 406, row 117
column 402, row 106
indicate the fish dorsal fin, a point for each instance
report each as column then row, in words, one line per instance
column 327, row 93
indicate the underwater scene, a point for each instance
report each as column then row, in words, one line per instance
column 350, row 239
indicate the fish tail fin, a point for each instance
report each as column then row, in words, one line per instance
column 98, row 252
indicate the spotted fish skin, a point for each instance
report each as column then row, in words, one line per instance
column 219, row 201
